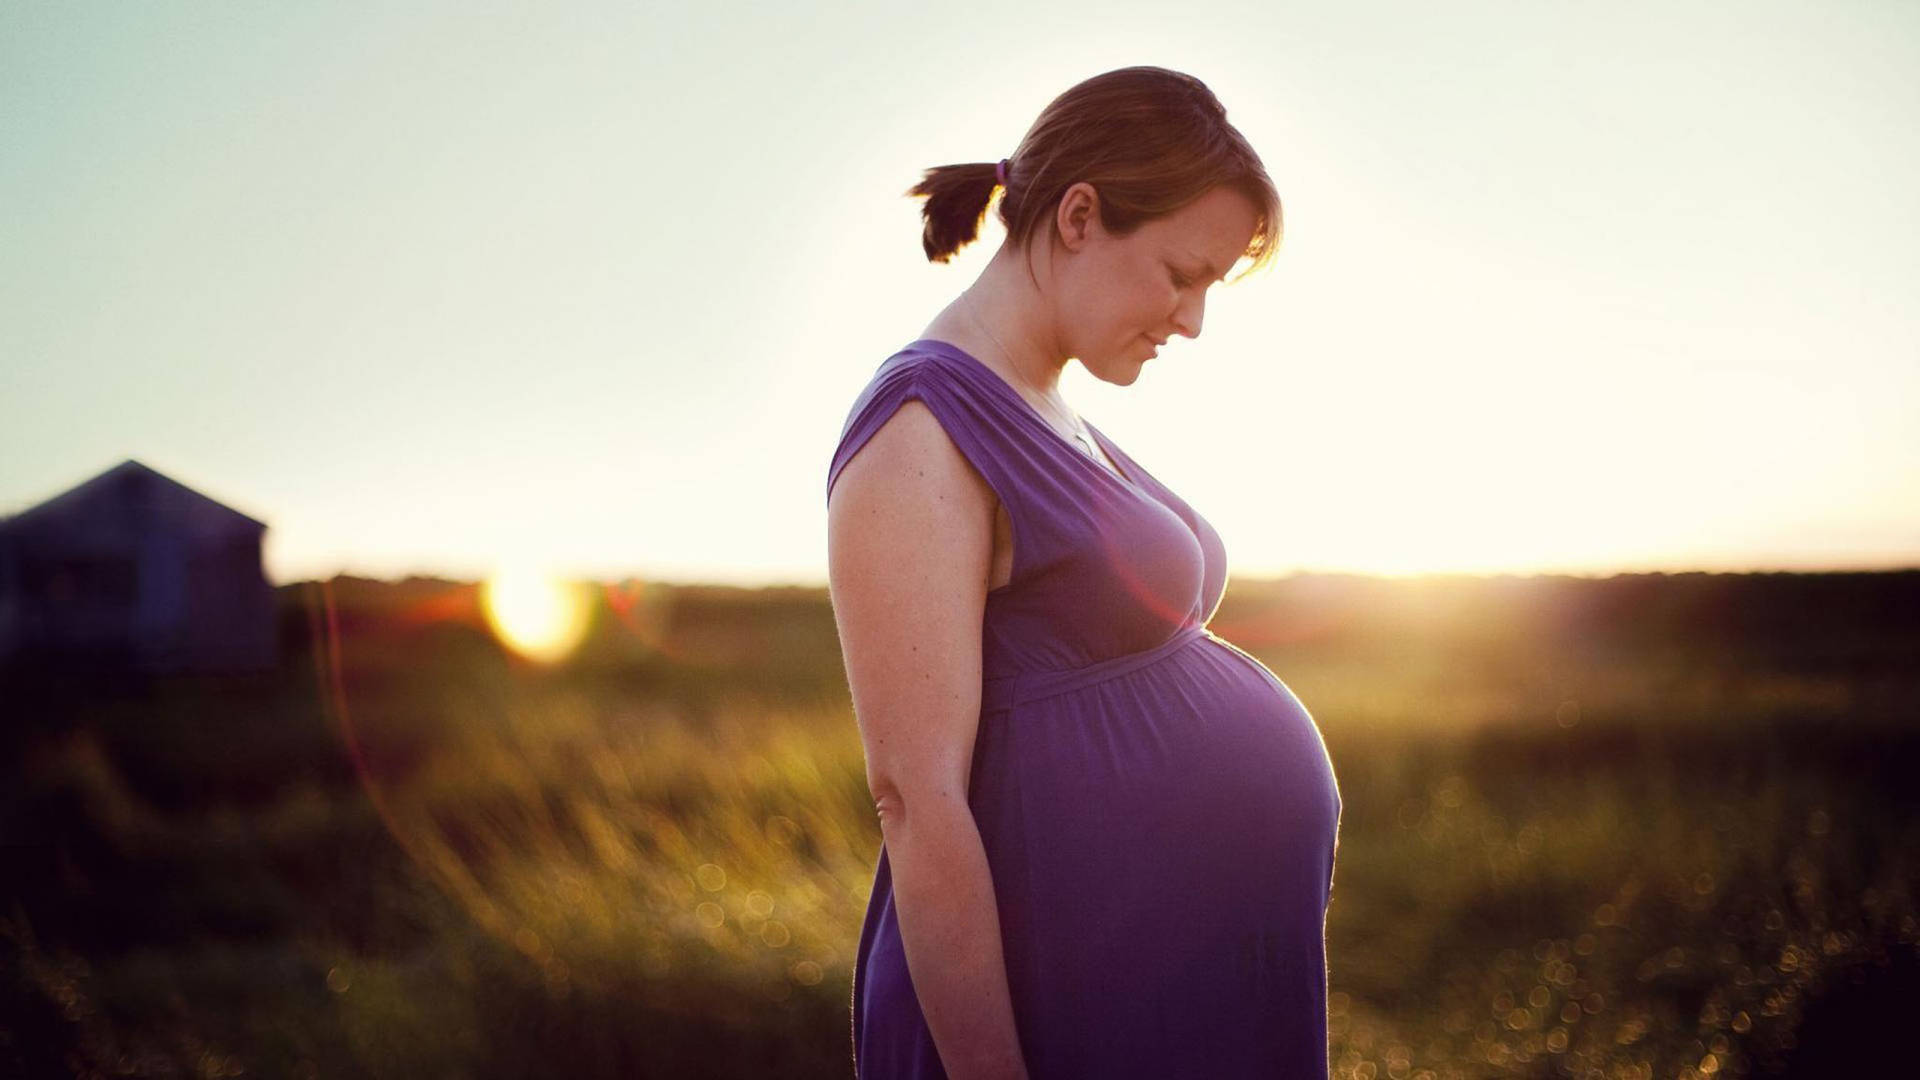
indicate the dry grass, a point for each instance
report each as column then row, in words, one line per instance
column 1552, row 862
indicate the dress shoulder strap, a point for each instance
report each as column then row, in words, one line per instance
column 973, row 417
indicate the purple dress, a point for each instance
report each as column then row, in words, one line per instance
column 1157, row 808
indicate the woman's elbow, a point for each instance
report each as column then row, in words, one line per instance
column 888, row 805
column 899, row 804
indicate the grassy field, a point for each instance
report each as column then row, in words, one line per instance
column 1649, row 826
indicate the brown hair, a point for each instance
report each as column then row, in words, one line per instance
column 1148, row 139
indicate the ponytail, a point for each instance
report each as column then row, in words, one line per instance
column 957, row 200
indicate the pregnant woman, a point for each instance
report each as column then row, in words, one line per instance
column 1107, row 834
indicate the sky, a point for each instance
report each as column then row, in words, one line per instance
column 440, row 288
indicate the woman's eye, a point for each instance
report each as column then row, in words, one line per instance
column 1180, row 280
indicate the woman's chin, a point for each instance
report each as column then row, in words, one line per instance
column 1119, row 371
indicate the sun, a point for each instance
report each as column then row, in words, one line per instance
column 536, row 614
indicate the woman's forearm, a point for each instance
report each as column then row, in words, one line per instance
column 950, row 928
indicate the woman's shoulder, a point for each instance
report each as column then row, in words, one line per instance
column 922, row 354
column 951, row 407
column 928, row 369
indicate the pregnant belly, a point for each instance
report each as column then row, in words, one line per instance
column 1170, row 832
column 1202, row 763
column 1202, row 739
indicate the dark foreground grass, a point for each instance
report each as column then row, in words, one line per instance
column 1628, row 829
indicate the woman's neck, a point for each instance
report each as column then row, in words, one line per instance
column 1000, row 320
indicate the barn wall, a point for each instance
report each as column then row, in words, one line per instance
column 132, row 569
column 230, row 608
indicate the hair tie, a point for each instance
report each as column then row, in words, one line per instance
column 1000, row 172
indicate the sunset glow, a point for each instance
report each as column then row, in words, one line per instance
column 537, row 615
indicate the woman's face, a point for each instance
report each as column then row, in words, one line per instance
column 1120, row 297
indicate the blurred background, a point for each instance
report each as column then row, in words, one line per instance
column 415, row 655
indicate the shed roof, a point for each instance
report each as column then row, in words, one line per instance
column 127, row 501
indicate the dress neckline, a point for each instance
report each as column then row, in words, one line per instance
column 1118, row 473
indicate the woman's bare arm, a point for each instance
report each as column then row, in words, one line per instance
column 910, row 540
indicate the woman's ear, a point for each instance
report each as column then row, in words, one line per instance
column 1077, row 216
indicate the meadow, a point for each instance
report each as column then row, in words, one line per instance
column 1625, row 828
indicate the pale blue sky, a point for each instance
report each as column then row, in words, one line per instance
column 592, row 286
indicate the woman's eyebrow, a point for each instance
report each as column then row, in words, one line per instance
column 1206, row 265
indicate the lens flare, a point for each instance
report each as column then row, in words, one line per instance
column 537, row 615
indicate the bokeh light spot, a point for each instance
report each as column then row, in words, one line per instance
column 536, row 614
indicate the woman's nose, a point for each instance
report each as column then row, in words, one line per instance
column 1188, row 316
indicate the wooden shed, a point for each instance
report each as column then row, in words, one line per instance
column 134, row 569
